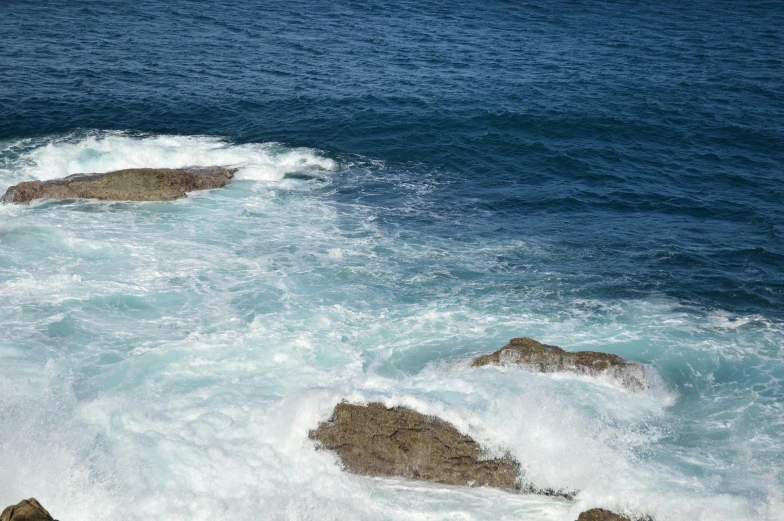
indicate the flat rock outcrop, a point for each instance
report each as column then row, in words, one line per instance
column 543, row 358
column 26, row 510
column 599, row 514
column 133, row 184
column 373, row 440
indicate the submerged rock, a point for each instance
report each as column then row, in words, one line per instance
column 26, row 510
column 543, row 358
column 373, row 440
column 599, row 514
column 133, row 184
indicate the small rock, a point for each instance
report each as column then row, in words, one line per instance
column 543, row 358
column 373, row 440
column 599, row 514
column 134, row 184
column 26, row 510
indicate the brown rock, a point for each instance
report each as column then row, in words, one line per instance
column 134, row 184
column 26, row 510
column 599, row 514
column 543, row 358
column 373, row 440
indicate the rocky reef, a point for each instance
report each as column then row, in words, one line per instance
column 543, row 358
column 26, row 510
column 31, row 509
column 373, row 440
column 134, row 184
column 599, row 514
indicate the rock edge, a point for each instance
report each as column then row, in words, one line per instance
column 373, row 440
column 600, row 514
column 26, row 510
column 133, row 184
column 543, row 358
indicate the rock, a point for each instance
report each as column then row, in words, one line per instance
column 26, row 510
column 373, row 440
column 599, row 514
column 133, row 184
column 535, row 356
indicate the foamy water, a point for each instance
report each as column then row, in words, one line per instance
column 167, row 360
column 105, row 151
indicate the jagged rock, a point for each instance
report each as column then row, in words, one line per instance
column 599, row 514
column 133, row 184
column 535, row 356
column 373, row 440
column 26, row 510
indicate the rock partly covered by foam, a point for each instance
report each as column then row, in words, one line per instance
column 599, row 514
column 535, row 356
column 26, row 510
column 133, row 184
column 373, row 440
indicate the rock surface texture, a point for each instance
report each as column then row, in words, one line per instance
column 373, row 440
column 26, row 510
column 599, row 514
column 535, row 356
column 134, row 184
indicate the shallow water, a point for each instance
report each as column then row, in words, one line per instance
column 418, row 184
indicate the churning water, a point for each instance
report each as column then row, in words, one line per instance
column 418, row 183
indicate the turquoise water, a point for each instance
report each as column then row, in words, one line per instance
column 418, row 184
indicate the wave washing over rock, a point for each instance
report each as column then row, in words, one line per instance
column 535, row 356
column 374, row 440
column 176, row 343
column 134, row 184
column 50, row 158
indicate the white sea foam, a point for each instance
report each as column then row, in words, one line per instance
column 105, row 151
column 167, row 362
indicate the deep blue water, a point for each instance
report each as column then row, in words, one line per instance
column 645, row 141
column 604, row 175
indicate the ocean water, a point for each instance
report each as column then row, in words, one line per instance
column 418, row 183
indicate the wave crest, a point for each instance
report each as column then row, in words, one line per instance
column 52, row 158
